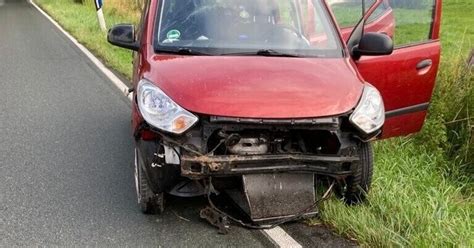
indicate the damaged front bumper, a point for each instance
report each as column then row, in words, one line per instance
column 258, row 163
column 227, row 165
column 222, row 147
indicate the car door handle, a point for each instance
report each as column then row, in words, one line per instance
column 424, row 64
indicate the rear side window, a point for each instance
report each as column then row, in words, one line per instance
column 349, row 12
column 408, row 22
column 413, row 21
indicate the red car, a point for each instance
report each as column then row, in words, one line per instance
column 259, row 99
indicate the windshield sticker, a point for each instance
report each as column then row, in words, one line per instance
column 173, row 34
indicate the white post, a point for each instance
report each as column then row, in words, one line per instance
column 100, row 15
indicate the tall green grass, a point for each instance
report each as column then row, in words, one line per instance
column 422, row 191
column 449, row 129
column 411, row 203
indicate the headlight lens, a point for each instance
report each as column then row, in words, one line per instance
column 160, row 111
column 369, row 115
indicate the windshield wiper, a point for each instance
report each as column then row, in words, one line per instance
column 271, row 52
column 264, row 52
column 261, row 52
column 182, row 51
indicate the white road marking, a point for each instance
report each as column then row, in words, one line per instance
column 280, row 238
column 2, row 2
column 115, row 80
column 276, row 235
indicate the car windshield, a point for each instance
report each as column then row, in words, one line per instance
column 246, row 27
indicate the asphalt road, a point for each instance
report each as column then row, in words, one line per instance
column 66, row 152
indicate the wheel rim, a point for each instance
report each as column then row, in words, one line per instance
column 137, row 179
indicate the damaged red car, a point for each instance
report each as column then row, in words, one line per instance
column 261, row 99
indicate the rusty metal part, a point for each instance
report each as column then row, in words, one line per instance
column 256, row 164
column 278, row 196
column 216, row 219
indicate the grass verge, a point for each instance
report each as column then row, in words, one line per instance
column 411, row 203
column 422, row 192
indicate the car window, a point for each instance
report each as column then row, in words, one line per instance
column 290, row 17
column 296, row 27
column 410, row 22
column 349, row 12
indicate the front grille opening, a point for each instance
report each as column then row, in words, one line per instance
column 321, row 142
column 259, row 142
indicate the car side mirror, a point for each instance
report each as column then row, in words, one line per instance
column 373, row 44
column 123, row 35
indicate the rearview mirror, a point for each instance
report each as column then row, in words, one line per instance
column 123, row 35
column 373, row 44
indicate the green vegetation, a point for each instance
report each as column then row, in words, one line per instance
column 347, row 14
column 413, row 19
column 422, row 192
column 413, row 25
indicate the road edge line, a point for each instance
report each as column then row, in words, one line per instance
column 276, row 235
column 106, row 71
column 280, row 238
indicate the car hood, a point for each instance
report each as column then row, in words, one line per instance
column 257, row 87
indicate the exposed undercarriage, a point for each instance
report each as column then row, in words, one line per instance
column 235, row 147
column 268, row 167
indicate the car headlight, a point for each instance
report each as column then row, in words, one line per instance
column 160, row 111
column 369, row 115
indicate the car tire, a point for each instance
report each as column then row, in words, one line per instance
column 358, row 185
column 149, row 202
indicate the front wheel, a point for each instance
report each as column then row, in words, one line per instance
column 358, row 185
column 149, row 202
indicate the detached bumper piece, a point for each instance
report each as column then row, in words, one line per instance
column 228, row 165
column 270, row 197
column 275, row 187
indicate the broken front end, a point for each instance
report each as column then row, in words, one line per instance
column 268, row 167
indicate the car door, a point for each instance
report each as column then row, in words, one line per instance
column 407, row 77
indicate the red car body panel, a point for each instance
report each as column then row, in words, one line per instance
column 402, row 85
column 258, row 87
column 264, row 87
column 403, row 124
